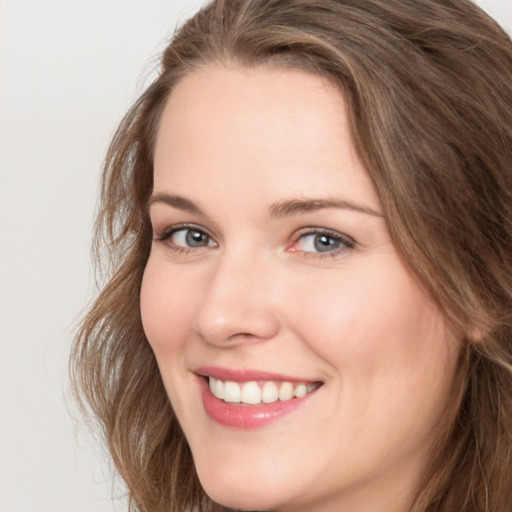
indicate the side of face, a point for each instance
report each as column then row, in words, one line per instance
column 272, row 262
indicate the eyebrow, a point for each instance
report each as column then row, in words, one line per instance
column 299, row 206
column 178, row 202
column 280, row 209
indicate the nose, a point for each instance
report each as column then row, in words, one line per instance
column 238, row 305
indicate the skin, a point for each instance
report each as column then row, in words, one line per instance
column 257, row 294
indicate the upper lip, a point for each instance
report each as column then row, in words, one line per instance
column 239, row 375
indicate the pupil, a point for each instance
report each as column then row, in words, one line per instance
column 324, row 242
column 195, row 238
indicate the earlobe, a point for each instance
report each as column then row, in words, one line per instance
column 471, row 327
column 477, row 333
column 481, row 327
column 475, row 336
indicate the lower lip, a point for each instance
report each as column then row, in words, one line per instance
column 246, row 416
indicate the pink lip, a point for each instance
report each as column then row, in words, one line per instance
column 245, row 417
column 244, row 375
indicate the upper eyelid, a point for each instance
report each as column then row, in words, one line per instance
column 158, row 215
column 183, row 226
column 323, row 231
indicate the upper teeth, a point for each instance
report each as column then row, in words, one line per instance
column 254, row 393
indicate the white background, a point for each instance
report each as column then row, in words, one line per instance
column 68, row 71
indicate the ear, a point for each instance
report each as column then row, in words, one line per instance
column 477, row 332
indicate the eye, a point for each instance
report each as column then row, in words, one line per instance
column 182, row 237
column 322, row 242
column 190, row 238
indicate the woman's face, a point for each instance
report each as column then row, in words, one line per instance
column 272, row 273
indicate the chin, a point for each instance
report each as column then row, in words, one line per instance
column 247, row 499
column 240, row 490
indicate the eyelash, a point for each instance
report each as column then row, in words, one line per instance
column 345, row 241
column 166, row 234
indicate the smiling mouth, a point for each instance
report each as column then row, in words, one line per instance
column 259, row 392
column 248, row 399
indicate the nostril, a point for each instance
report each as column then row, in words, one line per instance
column 238, row 326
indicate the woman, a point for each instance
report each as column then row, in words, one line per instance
column 309, row 222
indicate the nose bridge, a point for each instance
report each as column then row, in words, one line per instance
column 237, row 304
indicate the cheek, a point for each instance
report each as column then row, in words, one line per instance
column 389, row 356
column 375, row 324
column 166, row 309
column 356, row 311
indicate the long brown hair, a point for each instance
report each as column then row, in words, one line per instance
column 428, row 85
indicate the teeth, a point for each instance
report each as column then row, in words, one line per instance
column 253, row 393
column 269, row 393
column 218, row 390
column 286, row 391
column 301, row 390
column 231, row 392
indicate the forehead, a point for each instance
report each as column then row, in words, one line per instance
column 259, row 125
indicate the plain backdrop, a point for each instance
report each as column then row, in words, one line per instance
column 68, row 71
